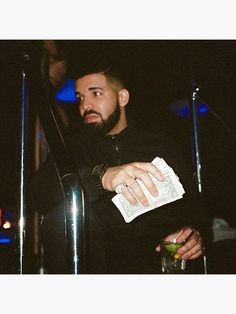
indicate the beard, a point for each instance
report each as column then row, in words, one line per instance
column 96, row 130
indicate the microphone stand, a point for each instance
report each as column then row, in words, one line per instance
column 73, row 193
column 23, row 150
column 197, row 160
column 195, row 121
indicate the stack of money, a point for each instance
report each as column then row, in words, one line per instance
column 169, row 190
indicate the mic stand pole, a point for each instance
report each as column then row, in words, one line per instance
column 36, row 90
column 195, row 120
column 73, row 193
column 23, row 149
column 197, row 161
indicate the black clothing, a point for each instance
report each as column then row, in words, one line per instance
column 115, row 246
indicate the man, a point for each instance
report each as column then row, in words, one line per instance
column 110, row 154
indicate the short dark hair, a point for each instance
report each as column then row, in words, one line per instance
column 111, row 72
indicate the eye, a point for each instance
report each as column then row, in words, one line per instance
column 79, row 99
column 97, row 93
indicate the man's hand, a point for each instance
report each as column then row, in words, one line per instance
column 193, row 247
column 127, row 175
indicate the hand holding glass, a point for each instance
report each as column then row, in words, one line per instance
column 171, row 261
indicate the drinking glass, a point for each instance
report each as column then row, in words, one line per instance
column 171, row 261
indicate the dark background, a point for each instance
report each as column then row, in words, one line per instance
column 159, row 73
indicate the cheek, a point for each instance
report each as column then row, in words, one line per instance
column 81, row 111
column 107, row 109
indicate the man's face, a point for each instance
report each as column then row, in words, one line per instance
column 98, row 103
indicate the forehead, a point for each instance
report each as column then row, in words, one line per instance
column 92, row 80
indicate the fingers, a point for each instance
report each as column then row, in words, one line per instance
column 150, row 168
column 178, row 236
column 184, row 234
column 136, row 177
column 193, row 246
column 134, row 194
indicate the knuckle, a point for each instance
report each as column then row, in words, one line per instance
column 131, row 182
column 143, row 174
column 130, row 166
column 122, row 173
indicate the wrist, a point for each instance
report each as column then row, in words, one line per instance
column 98, row 173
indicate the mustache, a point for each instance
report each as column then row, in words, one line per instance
column 90, row 111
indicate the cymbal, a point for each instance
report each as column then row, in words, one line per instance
column 182, row 108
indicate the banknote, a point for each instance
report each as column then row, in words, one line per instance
column 170, row 190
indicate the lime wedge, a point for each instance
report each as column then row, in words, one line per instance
column 172, row 247
column 177, row 256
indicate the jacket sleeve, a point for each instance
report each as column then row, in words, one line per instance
column 47, row 190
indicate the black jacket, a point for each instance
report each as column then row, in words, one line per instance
column 141, row 235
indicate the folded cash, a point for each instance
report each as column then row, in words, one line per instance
column 169, row 190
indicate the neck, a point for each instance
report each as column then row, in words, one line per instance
column 120, row 126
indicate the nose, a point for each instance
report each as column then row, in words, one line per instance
column 86, row 104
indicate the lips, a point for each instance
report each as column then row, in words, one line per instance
column 91, row 118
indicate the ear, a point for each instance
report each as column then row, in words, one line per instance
column 123, row 96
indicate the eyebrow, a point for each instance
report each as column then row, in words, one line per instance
column 90, row 89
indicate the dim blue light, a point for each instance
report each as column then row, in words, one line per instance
column 203, row 109
column 5, row 240
column 8, row 215
column 66, row 93
column 183, row 112
column 183, row 109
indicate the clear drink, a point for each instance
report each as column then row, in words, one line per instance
column 171, row 261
